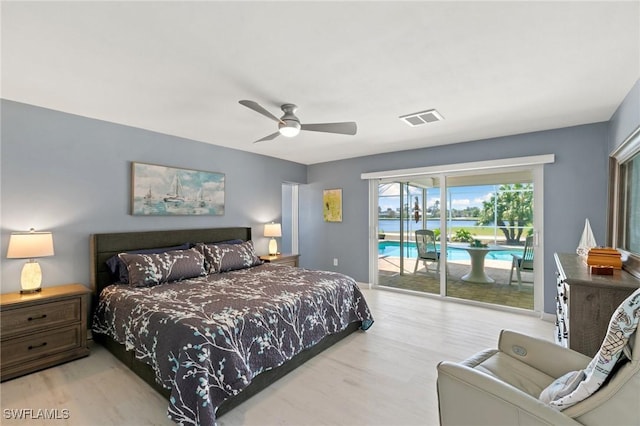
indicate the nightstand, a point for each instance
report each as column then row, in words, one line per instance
column 43, row 329
column 283, row 259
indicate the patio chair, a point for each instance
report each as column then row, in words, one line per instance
column 427, row 252
column 522, row 263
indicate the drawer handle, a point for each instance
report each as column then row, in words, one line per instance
column 43, row 316
column 37, row 346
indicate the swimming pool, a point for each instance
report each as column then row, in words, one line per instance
column 392, row 248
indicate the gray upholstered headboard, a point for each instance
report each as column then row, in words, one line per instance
column 103, row 246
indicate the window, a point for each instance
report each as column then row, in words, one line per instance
column 631, row 217
column 625, row 200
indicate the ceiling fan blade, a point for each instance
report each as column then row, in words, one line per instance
column 347, row 128
column 260, row 110
column 268, row 138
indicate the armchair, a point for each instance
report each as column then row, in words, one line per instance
column 502, row 386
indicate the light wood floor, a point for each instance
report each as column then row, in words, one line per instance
column 384, row 376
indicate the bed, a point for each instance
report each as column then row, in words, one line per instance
column 214, row 337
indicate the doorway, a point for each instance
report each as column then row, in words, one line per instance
column 290, row 211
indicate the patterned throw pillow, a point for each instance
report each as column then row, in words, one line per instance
column 229, row 257
column 147, row 270
column 119, row 270
column 583, row 383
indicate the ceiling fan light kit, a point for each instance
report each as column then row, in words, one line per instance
column 290, row 129
column 289, row 125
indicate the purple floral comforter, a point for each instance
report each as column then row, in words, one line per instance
column 208, row 337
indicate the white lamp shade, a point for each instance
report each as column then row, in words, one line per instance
column 29, row 245
column 272, row 230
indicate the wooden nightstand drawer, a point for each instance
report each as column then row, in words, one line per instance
column 40, row 345
column 43, row 329
column 33, row 318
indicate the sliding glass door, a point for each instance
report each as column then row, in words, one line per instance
column 405, row 207
column 487, row 227
column 478, row 223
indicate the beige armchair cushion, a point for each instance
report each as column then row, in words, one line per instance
column 501, row 387
column 511, row 371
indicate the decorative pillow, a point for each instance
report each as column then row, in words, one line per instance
column 576, row 386
column 119, row 269
column 229, row 257
column 562, row 386
column 155, row 268
column 207, row 250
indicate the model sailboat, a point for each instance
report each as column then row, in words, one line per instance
column 587, row 241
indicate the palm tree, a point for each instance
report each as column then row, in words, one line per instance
column 514, row 208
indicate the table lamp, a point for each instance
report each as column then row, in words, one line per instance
column 29, row 245
column 273, row 230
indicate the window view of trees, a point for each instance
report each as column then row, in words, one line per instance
column 511, row 209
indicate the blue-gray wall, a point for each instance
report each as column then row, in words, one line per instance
column 626, row 118
column 71, row 175
column 575, row 188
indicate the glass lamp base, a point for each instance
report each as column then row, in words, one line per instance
column 273, row 247
column 31, row 277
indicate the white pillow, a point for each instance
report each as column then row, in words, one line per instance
column 562, row 386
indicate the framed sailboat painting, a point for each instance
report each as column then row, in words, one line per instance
column 169, row 191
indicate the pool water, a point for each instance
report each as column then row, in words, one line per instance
column 392, row 248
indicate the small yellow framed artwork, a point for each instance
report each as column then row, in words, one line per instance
column 332, row 200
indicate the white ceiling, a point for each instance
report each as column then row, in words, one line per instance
column 180, row 68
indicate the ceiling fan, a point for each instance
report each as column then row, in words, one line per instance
column 289, row 125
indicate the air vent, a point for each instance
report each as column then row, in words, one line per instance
column 420, row 118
